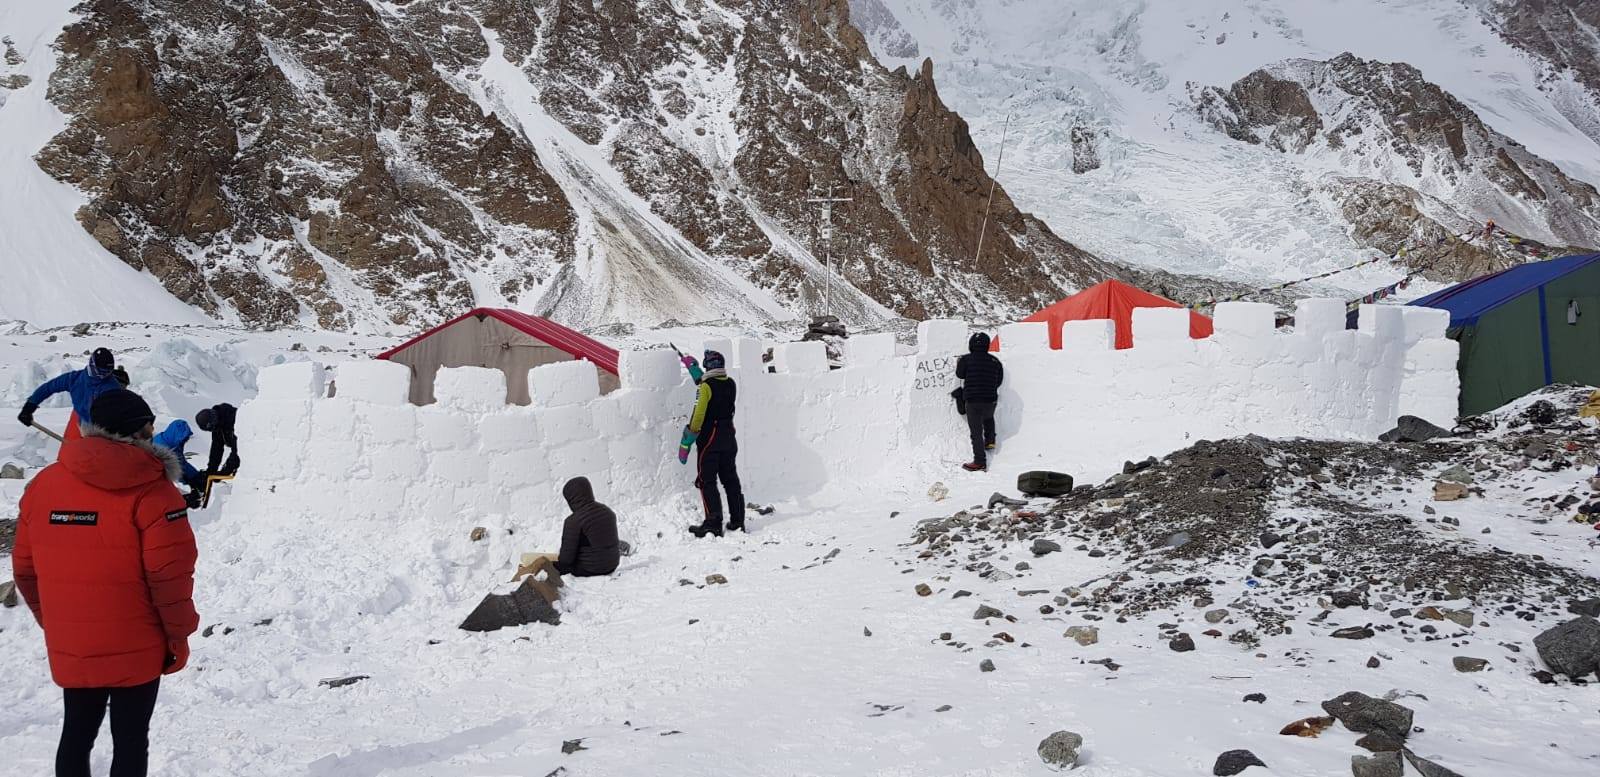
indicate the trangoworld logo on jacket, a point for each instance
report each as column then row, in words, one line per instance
column 178, row 515
column 74, row 519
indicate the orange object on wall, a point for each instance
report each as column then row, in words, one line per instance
column 1114, row 300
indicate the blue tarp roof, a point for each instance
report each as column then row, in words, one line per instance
column 1470, row 300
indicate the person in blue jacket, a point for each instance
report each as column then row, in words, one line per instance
column 82, row 385
column 173, row 438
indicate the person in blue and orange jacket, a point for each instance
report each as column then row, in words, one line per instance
column 105, row 559
column 712, row 425
column 82, row 385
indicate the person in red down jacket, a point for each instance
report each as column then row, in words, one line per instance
column 105, row 558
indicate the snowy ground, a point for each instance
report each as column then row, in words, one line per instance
column 773, row 673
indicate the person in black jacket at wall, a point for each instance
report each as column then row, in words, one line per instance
column 219, row 420
column 981, row 375
column 589, row 544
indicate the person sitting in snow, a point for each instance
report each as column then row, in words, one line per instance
column 981, row 374
column 589, row 544
column 105, row 560
column 219, row 421
column 173, row 438
column 83, row 386
column 712, row 425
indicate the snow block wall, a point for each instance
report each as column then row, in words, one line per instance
column 805, row 430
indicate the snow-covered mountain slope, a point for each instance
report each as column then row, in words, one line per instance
column 382, row 165
column 1110, row 143
column 52, row 272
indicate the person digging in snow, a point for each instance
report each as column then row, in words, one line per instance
column 174, row 438
column 981, row 375
column 219, row 420
column 712, row 425
column 83, row 386
column 105, row 559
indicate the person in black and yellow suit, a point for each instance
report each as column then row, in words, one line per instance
column 712, row 424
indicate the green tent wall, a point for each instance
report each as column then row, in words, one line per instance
column 1514, row 329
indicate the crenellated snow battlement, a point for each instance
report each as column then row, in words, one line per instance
column 805, row 430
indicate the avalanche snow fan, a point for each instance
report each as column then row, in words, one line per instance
column 1044, row 483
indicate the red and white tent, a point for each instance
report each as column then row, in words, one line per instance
column 508, row 340
column 1114, row 300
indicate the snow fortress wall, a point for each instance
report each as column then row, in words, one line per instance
column 805, row 428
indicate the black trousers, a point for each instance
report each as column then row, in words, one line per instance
column 130, row 728
column 721, row 465
column 980, row 422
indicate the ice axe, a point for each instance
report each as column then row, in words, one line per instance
column 58, row 438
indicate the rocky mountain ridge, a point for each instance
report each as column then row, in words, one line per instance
column 349, row 164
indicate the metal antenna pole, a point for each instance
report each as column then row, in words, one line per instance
column 999, row 160
column 826, row 233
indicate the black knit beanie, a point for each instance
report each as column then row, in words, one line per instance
column 121, row 412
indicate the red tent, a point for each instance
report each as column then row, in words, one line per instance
column 510, row 340
column 1114, row 300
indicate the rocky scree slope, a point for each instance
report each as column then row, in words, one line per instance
column 1248, row 539
column 354, row 164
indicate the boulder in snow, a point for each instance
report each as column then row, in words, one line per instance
column 531, row 602
column 1235, row 761
column 9, row 471
column 1447, row 491
column 1363, row 714
column 1413, row 429
column 1572, row 648
column 1044, row 483
column 1469, row 664
column 1045, row 547
column 1589, row 607
column 1379, row 765
column 8, row 594
column 1083, row 635
column 1427, row 768
column 1060, row 750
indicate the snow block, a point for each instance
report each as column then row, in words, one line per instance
column 1436, row 355
column 652, row 369
column 610, row 417
column 1424, row 323
column 386, row 424
column 1025, row 337
column 440, row 429
column 1386, row 322
column 565, row 424
column 282, row 419
column 1099, row 334
column 941, row 336
column 1245, row 319
column 378, row 381
column 584, row 458
column 864, row 350
column 747, row 353
column 802, row 358
column 1318, row 316
column 402, row 463
column 1159, row 325
column 473, row 390
column 293, row 380
column 721, row 345
column 510, row 429
column 563, row 383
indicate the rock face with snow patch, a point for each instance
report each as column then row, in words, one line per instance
column 357, row 164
